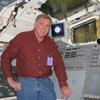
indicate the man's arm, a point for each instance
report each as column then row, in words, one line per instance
column 61, row 73
column 14, row 84
column 10, row 53
column 66, row 91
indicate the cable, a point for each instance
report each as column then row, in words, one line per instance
column 14, row 13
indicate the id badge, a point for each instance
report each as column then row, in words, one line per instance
column 50, row 61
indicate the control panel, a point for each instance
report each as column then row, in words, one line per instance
column 83, row 59
column 76, row 57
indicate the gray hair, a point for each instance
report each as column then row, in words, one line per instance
column 43, row 16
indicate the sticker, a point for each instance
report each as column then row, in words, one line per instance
column 50, row 61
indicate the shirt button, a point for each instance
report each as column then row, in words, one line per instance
column 38, row 57
column 40, row 72
column 39, row 64
column 38, row 49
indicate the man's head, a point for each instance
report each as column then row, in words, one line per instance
column 43, row 16
column 41, row 26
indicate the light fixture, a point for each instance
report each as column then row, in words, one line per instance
column 57, row 29
column 26, row 1
column 14, row 13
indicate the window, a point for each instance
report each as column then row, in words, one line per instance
column 85, row 32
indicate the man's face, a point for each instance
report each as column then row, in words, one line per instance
column 42, row 27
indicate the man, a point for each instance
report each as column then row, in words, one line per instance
column 36, row 56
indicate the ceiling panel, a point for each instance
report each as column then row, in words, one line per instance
column 61, row 8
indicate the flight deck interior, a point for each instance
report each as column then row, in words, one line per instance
column 75, row 29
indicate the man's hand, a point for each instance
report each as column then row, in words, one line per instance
column 66, row 92
column 14, row 84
